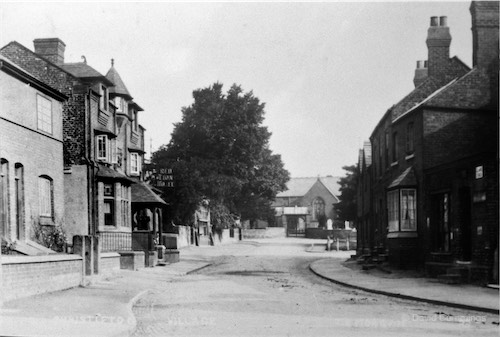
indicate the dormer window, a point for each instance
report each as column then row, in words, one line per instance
column 104, row 100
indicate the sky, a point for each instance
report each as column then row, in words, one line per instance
column 326, row 71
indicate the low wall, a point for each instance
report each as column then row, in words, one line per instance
column 109, row 264
column 320, row 233
column 24, row 276
column 225, row 236
column 132, row 260
column 266, row 233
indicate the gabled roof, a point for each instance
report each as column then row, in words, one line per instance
column 298, row 187
column 84, row 71
column 456, row 69
column 119, row 89
column 14, row 70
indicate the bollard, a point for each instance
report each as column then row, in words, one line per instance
column 337, row 244
column 328, row 243
column 347, row 243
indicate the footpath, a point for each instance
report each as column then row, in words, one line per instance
column 103, row 308
column 401, row 285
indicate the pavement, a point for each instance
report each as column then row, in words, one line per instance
column 104, row 308
column 408, row 286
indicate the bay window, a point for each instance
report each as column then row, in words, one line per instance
column 402, row 210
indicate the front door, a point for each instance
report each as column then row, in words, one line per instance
column 465, row 223
column 440, row 222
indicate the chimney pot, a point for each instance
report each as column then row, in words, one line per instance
column 443, row 20
column 434, row 21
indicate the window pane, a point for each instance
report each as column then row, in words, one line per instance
column 44, row 114
column 45, row 196
column 393, row 210
column 408, row 210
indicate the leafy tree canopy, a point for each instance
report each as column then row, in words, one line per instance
column 220, row 151
column 347, row 207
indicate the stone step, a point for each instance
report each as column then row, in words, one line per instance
column 368, row 266
column 450, row 278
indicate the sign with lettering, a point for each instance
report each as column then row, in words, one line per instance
column 163, row 177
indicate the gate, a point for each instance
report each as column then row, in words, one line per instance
column 296, row 225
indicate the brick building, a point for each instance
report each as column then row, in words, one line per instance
column 434, row 171
column 31, row 155
column 103, row 146
column 307, row 203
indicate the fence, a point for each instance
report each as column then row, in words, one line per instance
column 115, row 241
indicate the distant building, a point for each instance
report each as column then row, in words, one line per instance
column 433, row 177
column 31, row 157
column 307, row 203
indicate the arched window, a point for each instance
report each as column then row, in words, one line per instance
column 318, row 208
column 19, row 199
column 4, row 196
column 45, row 196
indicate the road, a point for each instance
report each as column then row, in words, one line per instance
column 267, row 289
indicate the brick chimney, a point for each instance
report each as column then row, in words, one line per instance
column 51, row 48
column 438, row 45
column 420, row 73
column 484, row 33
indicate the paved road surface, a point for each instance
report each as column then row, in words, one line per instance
column 268, row 290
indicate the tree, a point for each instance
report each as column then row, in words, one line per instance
column 220, row 151
column 347, row 207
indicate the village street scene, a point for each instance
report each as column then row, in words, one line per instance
column 248, row 169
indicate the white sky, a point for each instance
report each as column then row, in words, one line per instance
column 327, row 71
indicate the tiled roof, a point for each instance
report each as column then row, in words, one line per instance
column 142, row 193
column 456, row 68
column 137, row 107
column 297, row 187
column 415, row 97
column 105, row 172
column 83, row 70
column 119, row 88
column 471, row 91
column 100, row 129
column 407, row 178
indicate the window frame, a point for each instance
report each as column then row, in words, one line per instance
column 105, row 143
column 4, row 196
column 318, row 208
column 43, row 123
column 46, row 196
column 137, row 163
column 395, row 210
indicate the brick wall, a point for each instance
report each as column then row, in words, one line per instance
column 449, row 136
column 109, row 264
column 74, row 107
column 39, row 153
column 24, row 276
